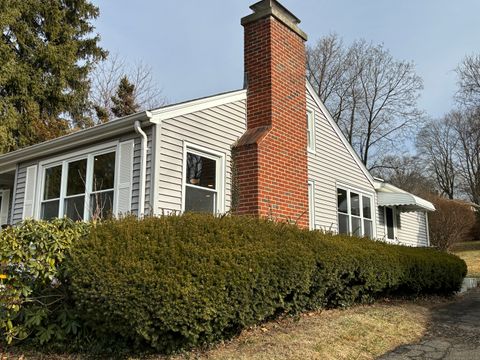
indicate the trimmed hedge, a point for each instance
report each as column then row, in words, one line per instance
column 180, row 281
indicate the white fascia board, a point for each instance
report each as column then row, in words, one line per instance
column 71, row 141
column 189, row 107
column 332, row 122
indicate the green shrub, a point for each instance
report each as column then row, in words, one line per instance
column 179, row 281
column 33, row 299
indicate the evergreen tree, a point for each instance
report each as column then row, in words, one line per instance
column 124, row 99
column 47, row 50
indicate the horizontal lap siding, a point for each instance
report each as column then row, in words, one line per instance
column 136, row 170
column 19, row 193
column 216, row 128
column 412, row 230
column 332, row 163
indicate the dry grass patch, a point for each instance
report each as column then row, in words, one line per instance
column 470, row 252
column 362, row 332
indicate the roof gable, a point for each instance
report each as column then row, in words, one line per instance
column 339, row 133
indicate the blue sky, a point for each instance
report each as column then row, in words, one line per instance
column 196, row 47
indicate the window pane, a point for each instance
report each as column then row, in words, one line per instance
column 367, row 228
column 201, row 171
column 50, row 210
column 343, row 224
column 367, row 208
column 355, row 204
column 77, row 172
column 101, row 205
column 53, row 181
column 199, row 200
column 356, row 226
column 74, row 207
column 342, row 201
column 104, row 172
column 390, row 228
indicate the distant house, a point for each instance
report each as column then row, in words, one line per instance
column 272, row 150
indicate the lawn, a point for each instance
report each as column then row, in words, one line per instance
column 470, row 252
column 362, row 332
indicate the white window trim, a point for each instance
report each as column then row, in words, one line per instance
column 64, row 160
column 4, row 205
column 361, row 193
column 394, row 216
column 311, row 131
column 311, row 205
column 219, row 157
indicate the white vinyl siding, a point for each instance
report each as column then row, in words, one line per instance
column 332, row 164
column 311, row 204
column 412, row 230
column 411, row 227
column 215, row 129
column 311, row 131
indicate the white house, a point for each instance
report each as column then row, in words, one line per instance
column 291, row 160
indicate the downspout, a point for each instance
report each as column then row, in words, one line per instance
column 143, row 168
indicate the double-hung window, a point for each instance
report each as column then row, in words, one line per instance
column 203, row 182
column 80, row 188
column 102, row 186
column 355, row 215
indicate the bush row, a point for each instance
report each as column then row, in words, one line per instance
column 33, row 297
column 180, row 281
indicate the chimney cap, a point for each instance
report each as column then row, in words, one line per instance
column 265, row 8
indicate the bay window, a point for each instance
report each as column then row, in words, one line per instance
column 81, row 188
column 76, row 187
column 51, row 192
column 103, row 183
column 355, row 216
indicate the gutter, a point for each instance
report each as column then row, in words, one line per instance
column 68, row 142
column 143, row 168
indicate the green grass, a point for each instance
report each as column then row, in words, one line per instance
column 470, row 252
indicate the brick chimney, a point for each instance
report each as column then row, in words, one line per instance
column 271, row 157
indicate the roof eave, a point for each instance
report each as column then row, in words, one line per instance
column 70, row 141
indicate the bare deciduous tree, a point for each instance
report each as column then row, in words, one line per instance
column 467, row 126
column 371, row 96
column 106, row 78
column 407, row 172
column 437, row 143
column 468, row 73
